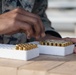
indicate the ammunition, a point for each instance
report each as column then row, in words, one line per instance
column 20, row 48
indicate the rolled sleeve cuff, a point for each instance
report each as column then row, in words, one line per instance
column 53, row 33
column 50, row 30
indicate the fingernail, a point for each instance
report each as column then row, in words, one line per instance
column 28, row 37
column 43, row 34
column 37, row 37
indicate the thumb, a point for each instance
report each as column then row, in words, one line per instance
column 75, row 50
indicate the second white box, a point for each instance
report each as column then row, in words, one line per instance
column 55, row 50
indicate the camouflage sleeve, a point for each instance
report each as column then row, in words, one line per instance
column 0, row 6
column 39, row 9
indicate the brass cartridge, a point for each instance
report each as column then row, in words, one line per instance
column 42, row 43
column 47, row 43
column 20, row 48
column 52, row 44
column 56, row 44
column 24, row 48
column 59, row 44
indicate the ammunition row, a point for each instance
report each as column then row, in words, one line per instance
column 56, row 41
column 56, row 44
column 25, row 46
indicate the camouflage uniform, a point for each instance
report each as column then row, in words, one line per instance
column 34, row 6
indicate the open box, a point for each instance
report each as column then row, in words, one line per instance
column 9, row 51
column 55, row 50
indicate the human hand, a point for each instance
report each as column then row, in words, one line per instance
column 19, row 20
column 49, row 37
column 75, row 49
column 72, row 40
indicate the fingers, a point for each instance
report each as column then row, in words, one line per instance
column 26, row 22
column 75, row 50
column 32, row 19
column 26, row 28
column 19, row 26
column 70, row 39
column 73, row 40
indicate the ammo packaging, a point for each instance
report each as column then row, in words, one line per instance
column 25, row 46
column 60, row 43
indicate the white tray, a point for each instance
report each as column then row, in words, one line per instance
column 9, row 51
column 56, row 50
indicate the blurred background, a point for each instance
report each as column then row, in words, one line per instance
column 62, row 14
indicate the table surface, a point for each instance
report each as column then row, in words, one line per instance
column 42, row 65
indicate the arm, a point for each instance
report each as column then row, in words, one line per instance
column 40, row 8
column 19, row 20
column 0, row 6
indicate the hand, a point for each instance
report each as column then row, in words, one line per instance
column 72, row 40
column 75, row 50
column 19, row 20
column 56, row 38
column 49, row 37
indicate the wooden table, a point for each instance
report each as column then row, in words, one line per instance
column 42, row 65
